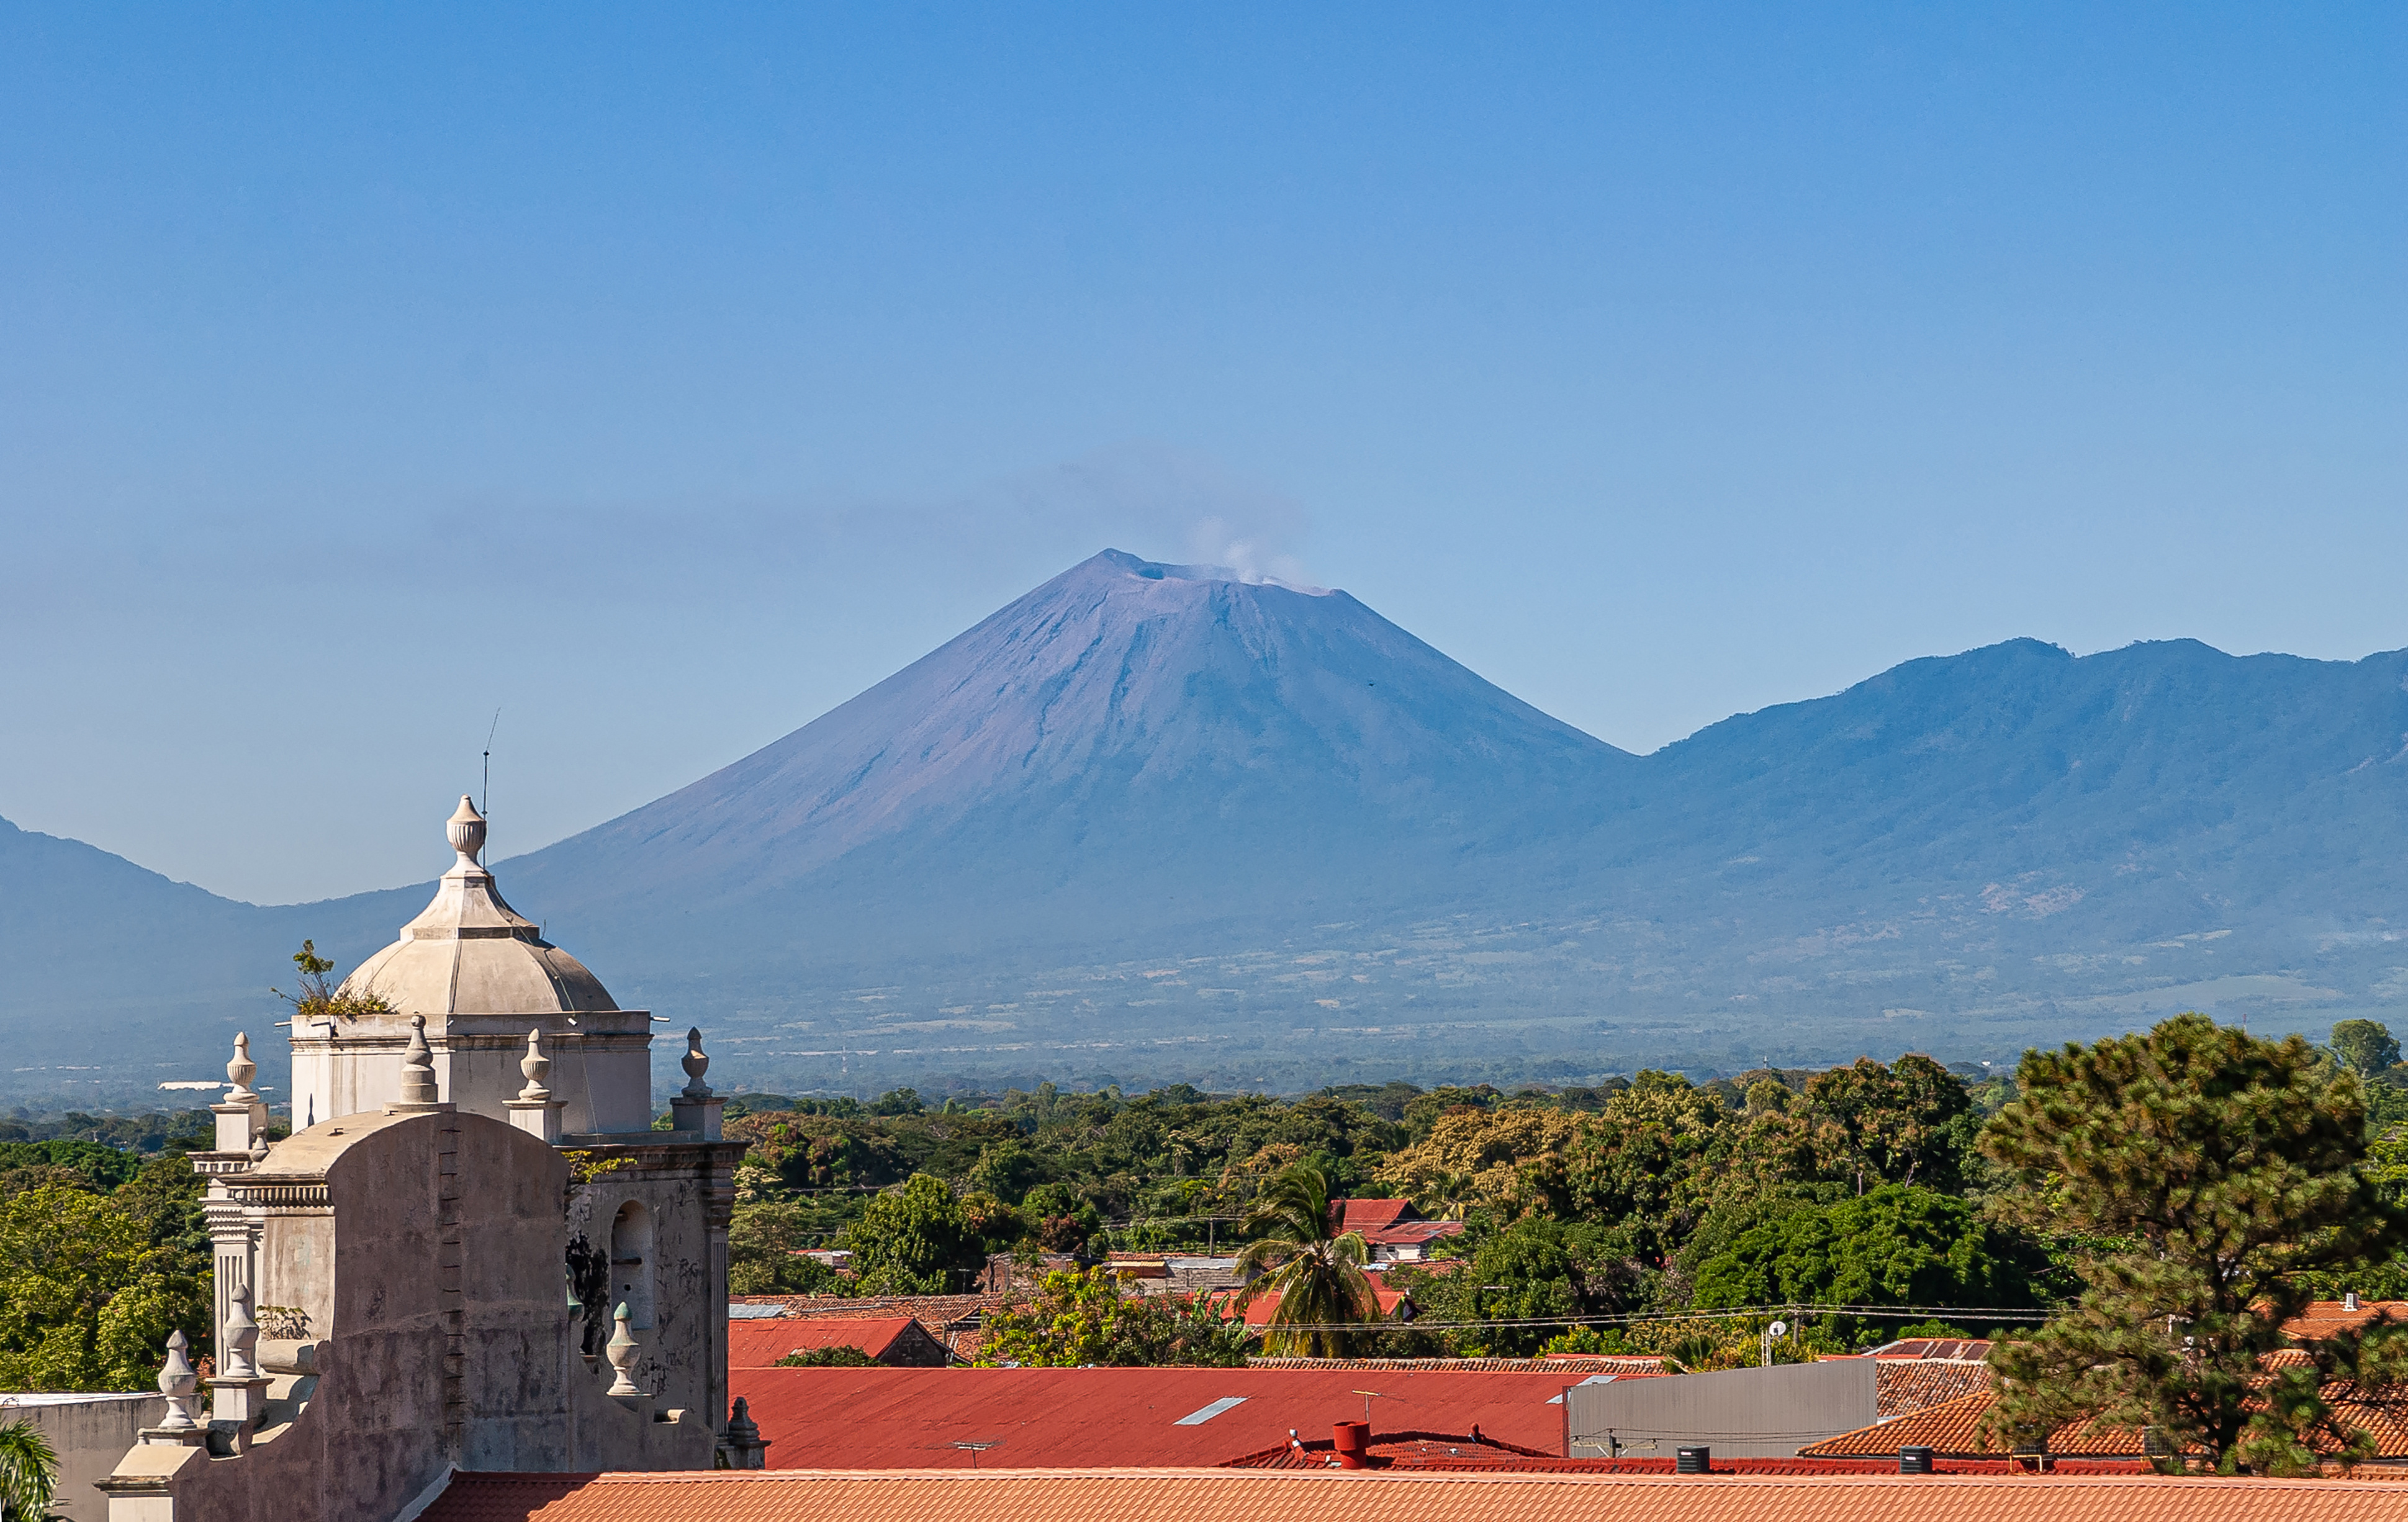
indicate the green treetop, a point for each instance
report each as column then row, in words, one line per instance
column 2211, row 1170
column 2365, row 1047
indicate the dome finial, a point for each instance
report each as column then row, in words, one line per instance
column 466, row 830
column 240, row 1071
column 537, row 1067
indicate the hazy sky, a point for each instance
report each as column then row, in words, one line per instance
column 664, row 376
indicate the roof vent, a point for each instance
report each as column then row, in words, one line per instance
column 2349, row 1300
column 1914, row 1461
column 1693, row 1460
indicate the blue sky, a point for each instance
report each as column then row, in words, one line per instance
column 662, row 379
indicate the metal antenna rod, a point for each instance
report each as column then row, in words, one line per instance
column 485, row 798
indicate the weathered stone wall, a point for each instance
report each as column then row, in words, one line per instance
column 686, row 1191
column 426, row 1250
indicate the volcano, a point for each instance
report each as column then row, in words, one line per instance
column 1128, row 744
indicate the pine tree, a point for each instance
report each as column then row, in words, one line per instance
column 2209, row 1170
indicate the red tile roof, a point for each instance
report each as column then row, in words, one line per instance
column 911, row 1418
column 1904, row 1385
column 1392, row 1496
column 758, row 1345
column 1972, row 1349
column 2323, row 1318
column 1954, row 1427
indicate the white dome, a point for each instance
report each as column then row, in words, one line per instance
column 469, row 953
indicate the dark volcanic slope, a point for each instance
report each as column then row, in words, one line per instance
column 1128, row 742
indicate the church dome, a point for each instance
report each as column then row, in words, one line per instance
column 469, row 953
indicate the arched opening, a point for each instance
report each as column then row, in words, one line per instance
column 631, row 1264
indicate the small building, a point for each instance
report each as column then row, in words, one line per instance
column 1765, row 1413
column 1393, row 1229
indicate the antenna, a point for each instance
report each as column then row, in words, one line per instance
column 485, row 798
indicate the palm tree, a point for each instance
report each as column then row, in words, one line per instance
column 29, row 1473
column 1316, row 1272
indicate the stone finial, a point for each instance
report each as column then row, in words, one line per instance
column 241, row 1070
column 741, row 1427
column 258, row 1148
column 418, row 1064
column 745, row 1449
column 622, row 1351
column 176, row 1381
column 537, row 1067
column 466, row 830
column 695, row 1062
column 241, row 1334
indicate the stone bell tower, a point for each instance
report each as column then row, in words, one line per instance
column 482, row 1017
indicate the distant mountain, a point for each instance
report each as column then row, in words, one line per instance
column 1129, row 746
column 1156, row 822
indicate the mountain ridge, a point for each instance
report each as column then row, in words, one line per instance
column 1160, row 819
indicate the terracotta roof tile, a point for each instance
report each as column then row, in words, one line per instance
column 1291, row 1496
column 2323, row 1318
column 1954, row 1427
column 1906, row 1385
column 1974, row 1349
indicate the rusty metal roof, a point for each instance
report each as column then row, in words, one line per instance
column 1390, row 1496
column 911, row 1418
column 1573, row 1366
column 760, row 1344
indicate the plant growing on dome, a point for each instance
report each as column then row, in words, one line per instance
column 320, row 998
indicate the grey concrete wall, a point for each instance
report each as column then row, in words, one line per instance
column 90, row 1433
column 1738, row 1413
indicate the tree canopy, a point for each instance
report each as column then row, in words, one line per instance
column 2210, row 1172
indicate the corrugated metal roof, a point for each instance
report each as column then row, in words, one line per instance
column 1390, row 1496
column 1258, row 1309
column 911, row 1418
column 1371, row 1215
column 757, row 1345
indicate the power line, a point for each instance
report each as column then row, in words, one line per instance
column 1889, row 1312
